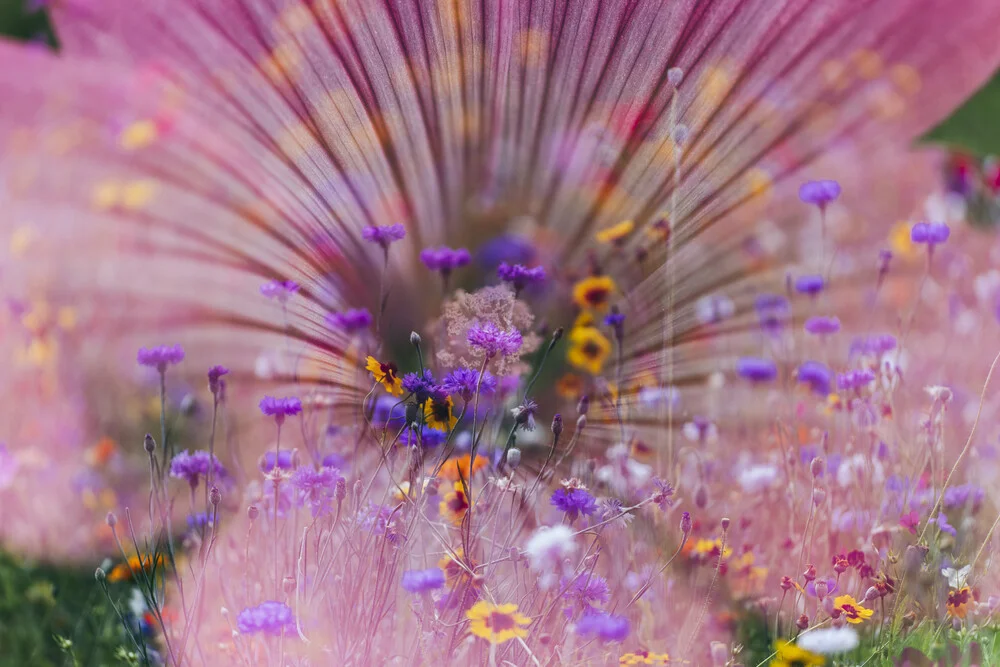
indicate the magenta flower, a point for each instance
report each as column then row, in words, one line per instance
column 215, row 374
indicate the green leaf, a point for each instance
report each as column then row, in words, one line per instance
column 975, row 126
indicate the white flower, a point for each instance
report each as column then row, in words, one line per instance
column 757, row 478
column 827, row 641
column 938, row 393
column 547, row 550
column 956, row 578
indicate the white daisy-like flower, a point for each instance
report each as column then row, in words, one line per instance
column 829, row 641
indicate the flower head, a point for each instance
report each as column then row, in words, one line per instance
column 193, row 466
column 524, row 414
column 160, row 357
column 816, row 375
column 851, row 610
column 284, row 459
column 957, row 605
column 615, row 234
column 819, row 193
column 573, row 502
column 497, row 623
column 594, row 292
column 134, row 566
column 605, row 627
column 279, row 290
column 464, row 382
column 267, row 618
column 756, row 370
column 822, row 326
column 520, row 276
column 316, row 488
column 421, row 386
column 455, row 504
column 460, row 468
column 589, row 349
column 387, row 375
column 438, row 411
column 787, row 654
column 444, row 259
column 930, row 233
column 215, row 374
column 384, row 236
column 809, row 284
column 279, row 408
column 422, row 581
column 493, row 340
column 351, row 321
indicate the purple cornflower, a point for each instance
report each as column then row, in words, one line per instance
column 574, row 502
column 351, row 321
column 444, row 259
column 388, row 413
column 316, row 488
column 269, row 618
column 279, row 408
column 930, row 233
column 428, row 438
column 199, row 521
column 463, row 381
column 214, row 373
column 811, row 284
column 160, row 357
column 616, row 320
column 816, row 375
column 874, row 345
column 857, row 379
column 384, row 235
column 663, row 495
column 422, row 581
column 944, row 526
column 279, row 290
column 819, row 193
column 586, row 591
column 335, row 460
column 420, row 386
column 604, row 626
column 284, row 457
column 505, row 248
column 519, row 276
column 822, row 326
column 193, row 466
column 756, row 370
column 493, row 340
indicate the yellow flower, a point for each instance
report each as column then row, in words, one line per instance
column 497, row 623
column 455, row 505
column 594, row 292
column 615, row 233
column 457, row 570
column 659, row 229
column 958, row 602
column 589, row 348
column 387, row 375
column 644, row 658
column 438, row 413
column 788, row 654
column 852, row 611
column 455, row 469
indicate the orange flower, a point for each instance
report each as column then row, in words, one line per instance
column 455, row 469
column 455, row 505
column 135, row 564
column 958, row 602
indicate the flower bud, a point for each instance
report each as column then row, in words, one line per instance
column 822, row 588
column 786, row 583
column 819, row 495
column 215, row 496
column 686, row 522
column 701, row 497
column 149, row 444
column 557, row 334
column 675, row 75
column 99, row 575
column 341, row 489
column 583, row 405
column 725, row 523
column 111, row 519
column 816, row 466
column 871, row 594
column 253, row 512
column 557, row 425
column 581, row 422
column 841, row 566
column 415, row 339
column 828, row 606
column 803, row 622
column 288, row 585
column 513, row 458
column 810, row 573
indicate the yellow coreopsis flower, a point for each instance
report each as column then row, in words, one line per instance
column 497, row 623
column 589, row 349
column 438, row 413
column 387, row 375
column 594, row 292
column 455, row 504
column 851, row 609
column 788, row 654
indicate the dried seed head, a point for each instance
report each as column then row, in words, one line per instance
column 514, row 458
column 215, row 496
column 149, row 444
column 686, row 523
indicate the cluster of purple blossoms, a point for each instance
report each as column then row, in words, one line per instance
column 756, row 370
column 493, row 340
column 268, row 618
column 822, row 326
column 279, row 408
column 420, row 385
column 605, row 627
column 388, row 413
column 856, row 379
column 585, row 592
column 215, row 374
column 819, row 193
column 444, row 259
column 284, row 458
column 464, row 381
column 574, row 502
column 351, row 321
column 816, row 375
column 422, row 581
column 663, row 494
column 195, row 465
column 810, row 285
column 316, row 488
column 930, row 233
column 519, row 276
column 384, row 235
column 160, row 357
column 279, row 290
column 876, row 345
column 427, row 437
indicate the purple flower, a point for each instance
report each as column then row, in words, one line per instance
column 874, row 345
column 586, row 590
column 663, row 495
column 944, row 526
column 819, row 193
column 193, row 466
column 428, row 438
column 524, row 414
column 930, row 233
column 420, row 386
column 756, row 370
column 493, row 340
column 316, row 488
column 505, row 248
column 574, row 502
column 279, row 408
column 351, row 321
column 422, row 581
column 445, row 259
column 388, row 413
column 280, row 290
column 160, row 357
column 269, row 618
column 284, row 458
column 811, row 284
column 385, row 235
column 822, row 326
column 857, row 379
column 520, row 276
column 772, row 311
column 606, row 627
column 463, row 382
column 199, row 521
column 214, row 373
column 816, row 375
column 334, row 460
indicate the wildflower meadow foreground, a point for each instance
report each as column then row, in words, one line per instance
column 433, row 332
